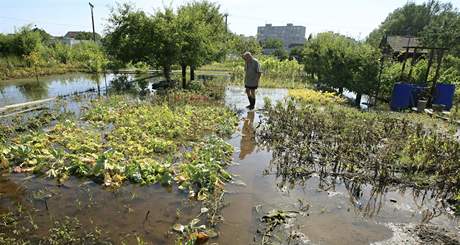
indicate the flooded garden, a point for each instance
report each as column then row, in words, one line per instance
column 145, row 138
column 192, row 167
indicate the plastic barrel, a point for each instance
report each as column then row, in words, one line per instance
column 402, row 96
column 444, row 95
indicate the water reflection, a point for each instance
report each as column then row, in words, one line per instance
column 368, row 192
column 24, row 90
column 247, row 144
column 33, row 91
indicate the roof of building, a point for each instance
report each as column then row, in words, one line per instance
column 399, row 43
column 72, row 34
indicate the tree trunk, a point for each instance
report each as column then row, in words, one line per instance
column 340, row 90
column 36, row 73
column 167, row 73
column 358, row 99
column 184, row 75
column 192, row 73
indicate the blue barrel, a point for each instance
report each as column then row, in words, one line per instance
column 402, row 96
column 444, row 95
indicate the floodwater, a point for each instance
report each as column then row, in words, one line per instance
column 24, row 90
column 338, row 213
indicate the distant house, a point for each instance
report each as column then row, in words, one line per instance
column 397, row 47
column 291, row 35
column 75, row 37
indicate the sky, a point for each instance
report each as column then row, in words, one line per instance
column 355, row 18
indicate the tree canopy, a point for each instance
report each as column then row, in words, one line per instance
column 437, row 24
column 193, row 35
column 341, row 62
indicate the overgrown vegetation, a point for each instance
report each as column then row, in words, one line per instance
column 175, row 138
column 275, row 73
column 381, row 149
column 31, row 52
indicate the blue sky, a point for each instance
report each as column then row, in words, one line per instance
column 355, row 18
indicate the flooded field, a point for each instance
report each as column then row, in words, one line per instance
column 261, row 204
column 24, row 90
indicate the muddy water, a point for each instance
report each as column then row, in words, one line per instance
column 339, row 212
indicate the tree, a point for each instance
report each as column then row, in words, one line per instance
column 238, row 44
column 410, row 20
column 45, row 36
column 202, row 35
column 86, row 35
column 165, row 45
column 25, row 41
column 443, row 31
column 129, row 35
column 133, row 36
column 272, row 43
column 296, row 53
column 194, row 36
column 341, row 62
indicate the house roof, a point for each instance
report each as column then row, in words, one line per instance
column 399, row 43
column 72, row 34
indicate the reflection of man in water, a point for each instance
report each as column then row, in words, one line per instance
column 247, row 144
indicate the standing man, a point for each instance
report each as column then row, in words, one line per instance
column 251, row 78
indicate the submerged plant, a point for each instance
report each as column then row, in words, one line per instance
column 359, row 148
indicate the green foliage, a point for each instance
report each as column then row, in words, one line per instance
column 122, row 139
column 449, row 73
column 273, row 44
column 31, row 52
column 362, row 148
column 91, row 56
column 202, row 33
column 436, row 23
column 128, row 31
column 86, row 35
column 238, row 44
column 275, row 72
column 192, row 36
column 341, row 62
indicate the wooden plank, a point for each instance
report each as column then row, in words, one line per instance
column 10, row 107
column 23, row 111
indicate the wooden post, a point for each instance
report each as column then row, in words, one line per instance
column 412, row 63
column 438, row 67
column 406, row 55
column 436, row 75
column 430, row 62
column 379, row 81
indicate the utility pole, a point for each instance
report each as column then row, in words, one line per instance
column 92, row 18
column 226, row 23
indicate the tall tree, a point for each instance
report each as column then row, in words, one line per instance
column 202, row 34
column 409, row 20
column 134, row 36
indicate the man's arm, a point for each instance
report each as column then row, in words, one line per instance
column 259, row 72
